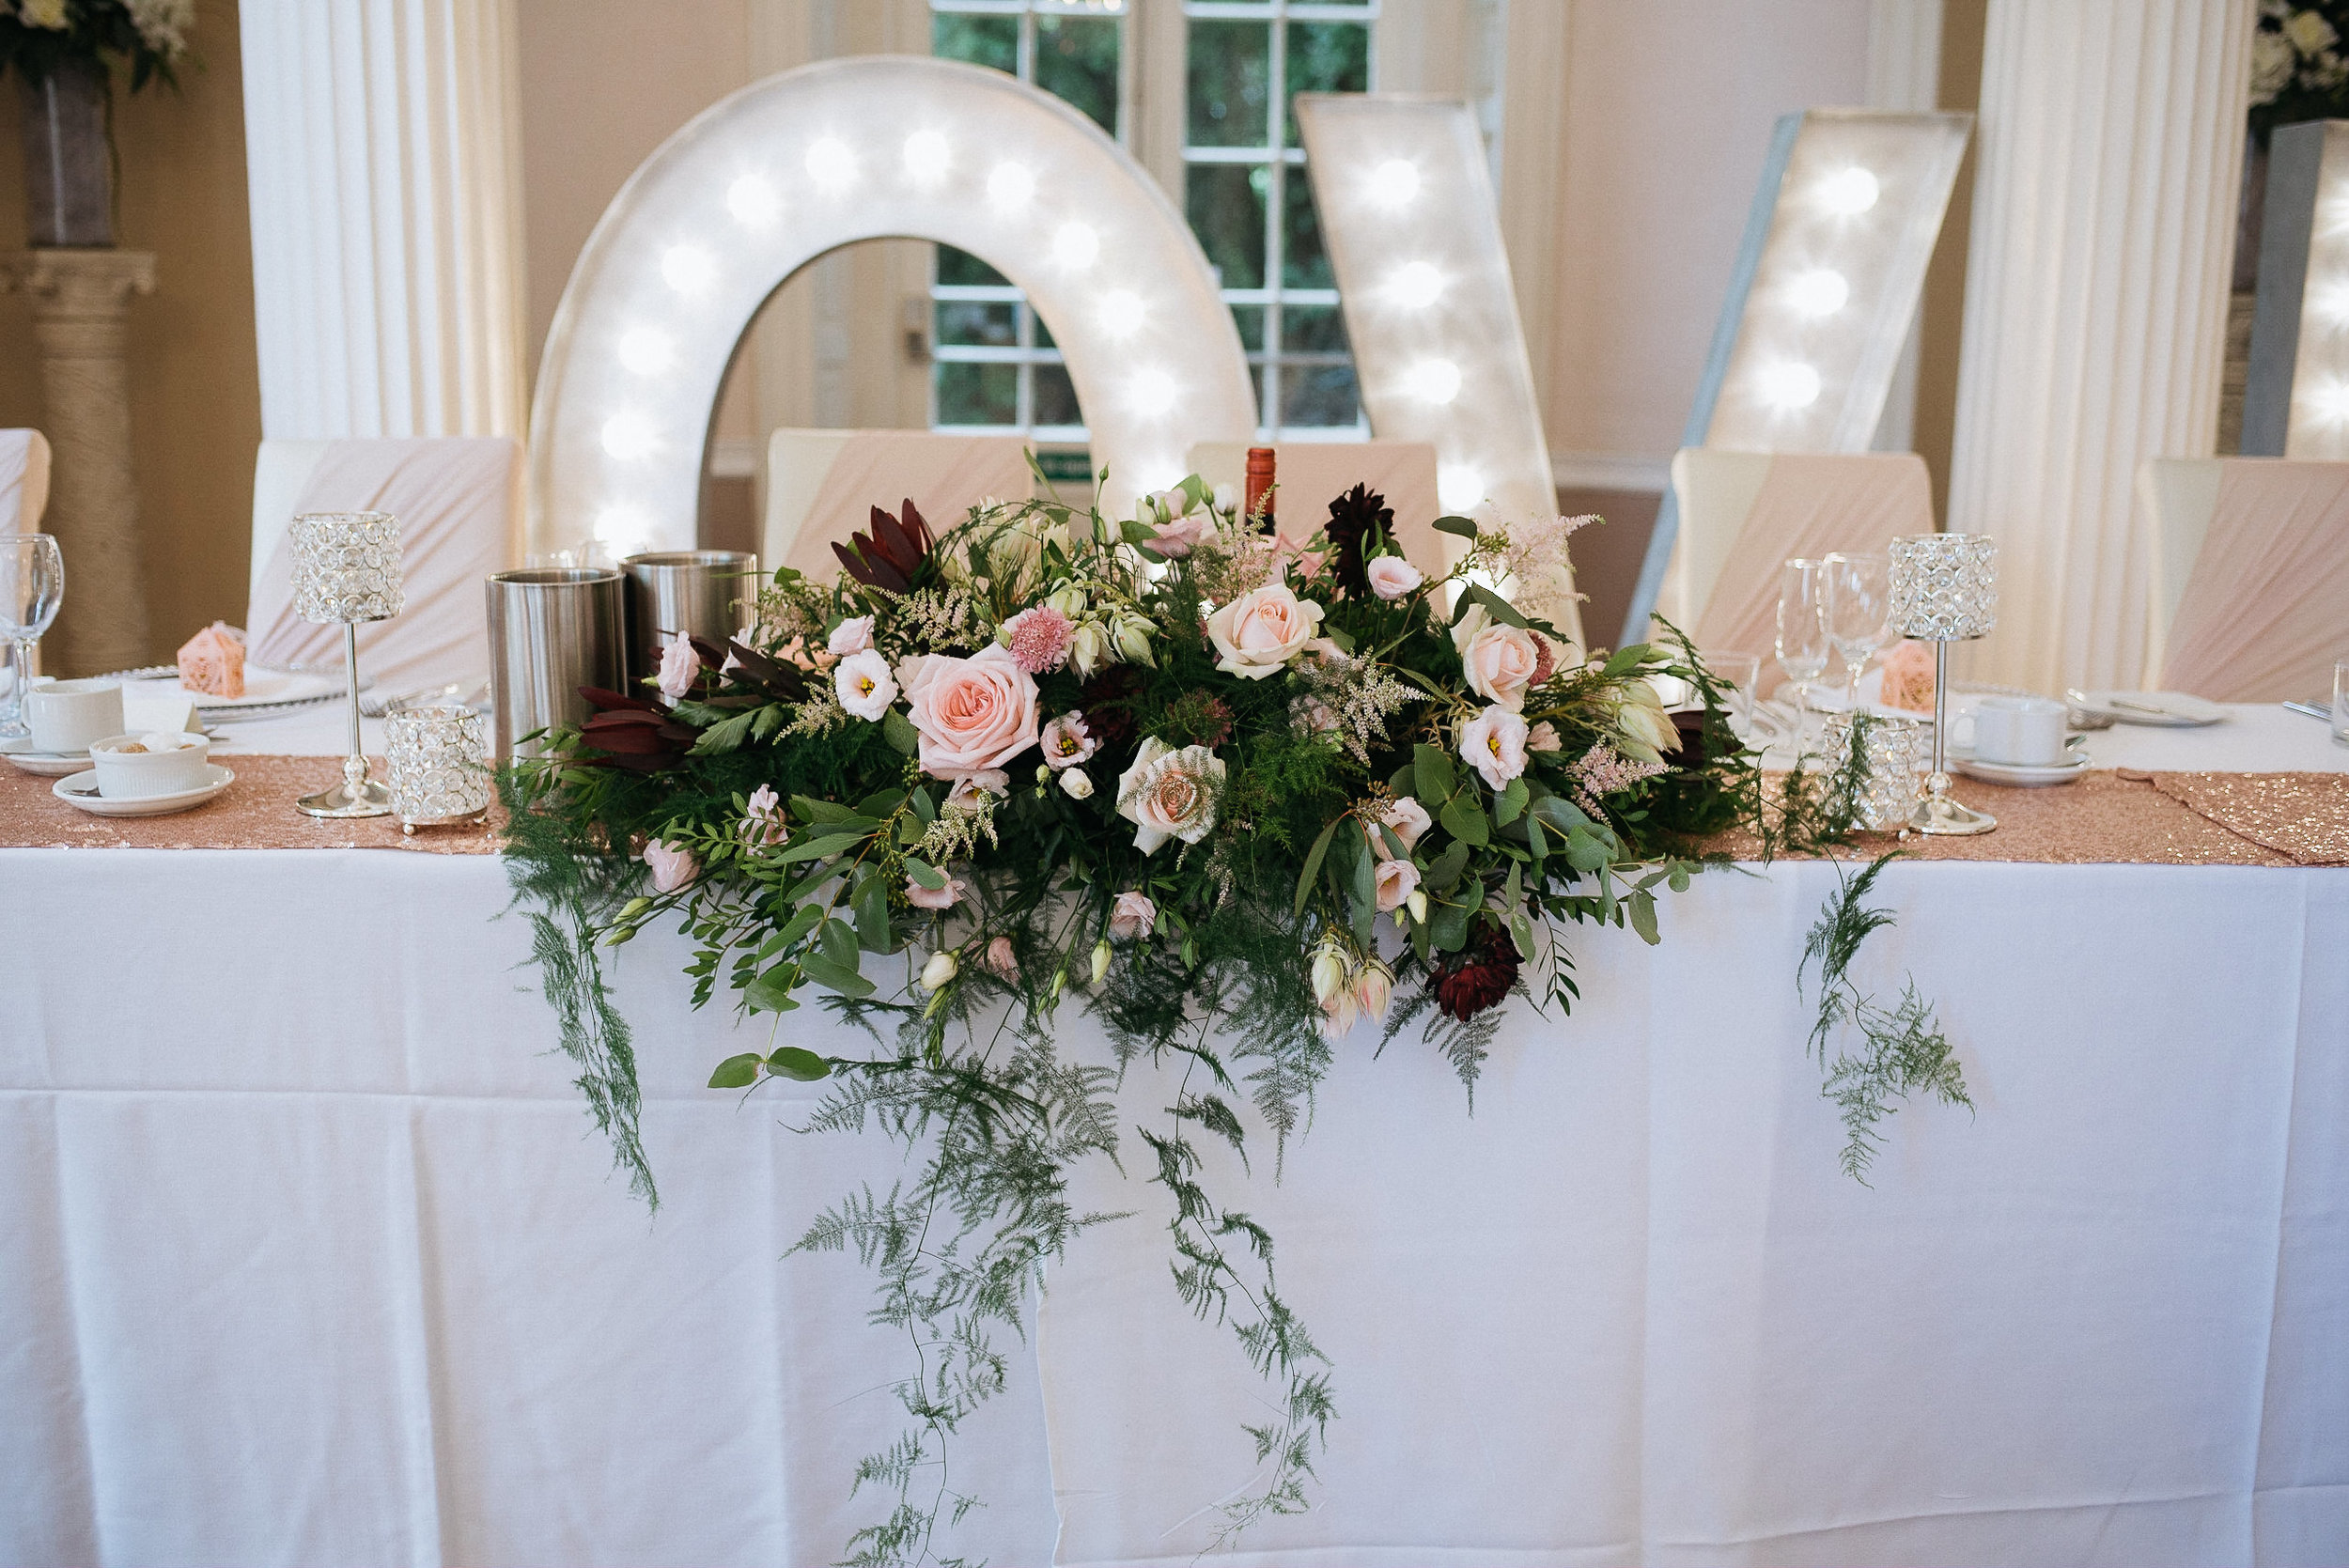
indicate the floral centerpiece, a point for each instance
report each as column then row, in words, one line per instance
column 1242, row 797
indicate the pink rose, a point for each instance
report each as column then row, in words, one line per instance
column 1260, row 631
column 1493, row 743
column 1397, row 881
column 1502, row 662
column 672, row 866
column 1169, row 794
column 934, row 898
column 972, row 713
column 1067, row 742
column 1000, row 958
column 679, row 665
column 1133, row 915
column 1392, row 577
column 853, row 635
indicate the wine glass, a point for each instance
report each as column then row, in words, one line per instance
column 1736, row 675
column 1802, row 638
column 32, row 587
column 1858, row 602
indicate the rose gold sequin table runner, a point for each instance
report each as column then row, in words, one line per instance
column 2136, row 818
column 254, row 813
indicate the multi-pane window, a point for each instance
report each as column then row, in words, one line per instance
column 994, row 366
column 1245, row 192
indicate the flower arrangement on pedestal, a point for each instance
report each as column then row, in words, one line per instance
column 1240, row 796
column 59, row 51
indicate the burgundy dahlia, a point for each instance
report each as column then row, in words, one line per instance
column 1476, row 980
column 1352, row 517
column 1109, row 707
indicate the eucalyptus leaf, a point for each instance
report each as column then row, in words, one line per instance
column 1511, row 802
column 872, row 914
column 1448, row 926
column 1642, row 904
column 842, row 978
column 1461, row 526
column 1445, row 874
column 792, row 1062
column 772, row 991
column 1313, row 866
column 1433, row 768
column 1463, row 820
column 735, row 1072
column 925, row 875
column 898, row 731
column 828, row 843
column 836, row 941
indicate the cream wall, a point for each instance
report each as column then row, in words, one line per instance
column 195, row 390
column 1669, row 105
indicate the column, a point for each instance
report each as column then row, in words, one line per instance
column 2110, row 141
column 382, row 146
column 80, row 299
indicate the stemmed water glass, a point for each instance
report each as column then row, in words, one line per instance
column 1802, row 635
column 32, row 587
column 1859, row 597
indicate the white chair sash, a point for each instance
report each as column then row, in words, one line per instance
column 2266, row 610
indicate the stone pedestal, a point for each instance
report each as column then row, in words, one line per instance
column 80, row 299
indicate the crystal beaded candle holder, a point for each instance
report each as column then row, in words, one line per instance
column 1944, row 590
column 1894, row 758
column 346, row 567
column 1945, row 586
column 440, row 764
column 346, row 570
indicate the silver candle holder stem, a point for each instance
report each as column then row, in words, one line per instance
column 1944, row 590
column 346, row 570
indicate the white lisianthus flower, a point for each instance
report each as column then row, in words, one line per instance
column 1493, row 743
column 1077, row 784
column 853, row 635
column 2310, row 33
column 2272, row 64
column 1169, row 794
column 865, row 685
column 1259, row 632
column 940, row 972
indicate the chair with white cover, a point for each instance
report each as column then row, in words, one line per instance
column 1743, row 515
column 2250, row 579
column 23, row 480
column 458, row 502
column 823, row 485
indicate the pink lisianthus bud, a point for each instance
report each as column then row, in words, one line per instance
column 672, row 866
column 1132, row 916
column 1000, row 958
column 762, row 817
column 934, row 898
column 679, row 665
column 1392, row 577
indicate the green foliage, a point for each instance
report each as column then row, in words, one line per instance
column 1901, row 1050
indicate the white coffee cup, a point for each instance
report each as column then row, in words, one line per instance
column 2023, row 732
column 68, row 715
column 164, row 765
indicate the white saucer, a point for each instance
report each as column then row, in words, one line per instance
column 2026, row 775
column 82, row 790
column 2161, row 709
column 47, row 764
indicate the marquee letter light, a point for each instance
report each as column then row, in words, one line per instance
column 868, row 147
column 1413, row 232
column 2296, row 402
column 1819, row 302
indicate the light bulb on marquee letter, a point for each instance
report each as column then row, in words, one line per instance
column 1416, row 285
column 1394, row 182
column 1820, row 292
column 1848, row 193
column 679, row 266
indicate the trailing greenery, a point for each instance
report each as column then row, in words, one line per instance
column 1231, row 795
column 1901, row 1050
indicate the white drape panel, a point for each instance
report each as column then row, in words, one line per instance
column 23, row 480
column 309, row 1254
column 2111, row 149
column 382, row 148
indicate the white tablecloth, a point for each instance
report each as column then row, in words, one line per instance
column 309, row 1254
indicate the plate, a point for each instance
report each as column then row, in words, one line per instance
column 267, row 692
column 2025, row 775
column 46, row 765
column 82, row 790
column 2161, row 709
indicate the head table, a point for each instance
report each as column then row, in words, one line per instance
column 309, row 1254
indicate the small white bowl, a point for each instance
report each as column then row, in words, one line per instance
column 135, row 775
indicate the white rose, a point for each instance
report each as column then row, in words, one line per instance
column 1260, row 631
column 1169, row 794
column 863, row 684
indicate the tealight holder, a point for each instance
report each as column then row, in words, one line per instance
column 346, row 571
column 1945, row 589
column 439, row 766
column 1893, row 758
